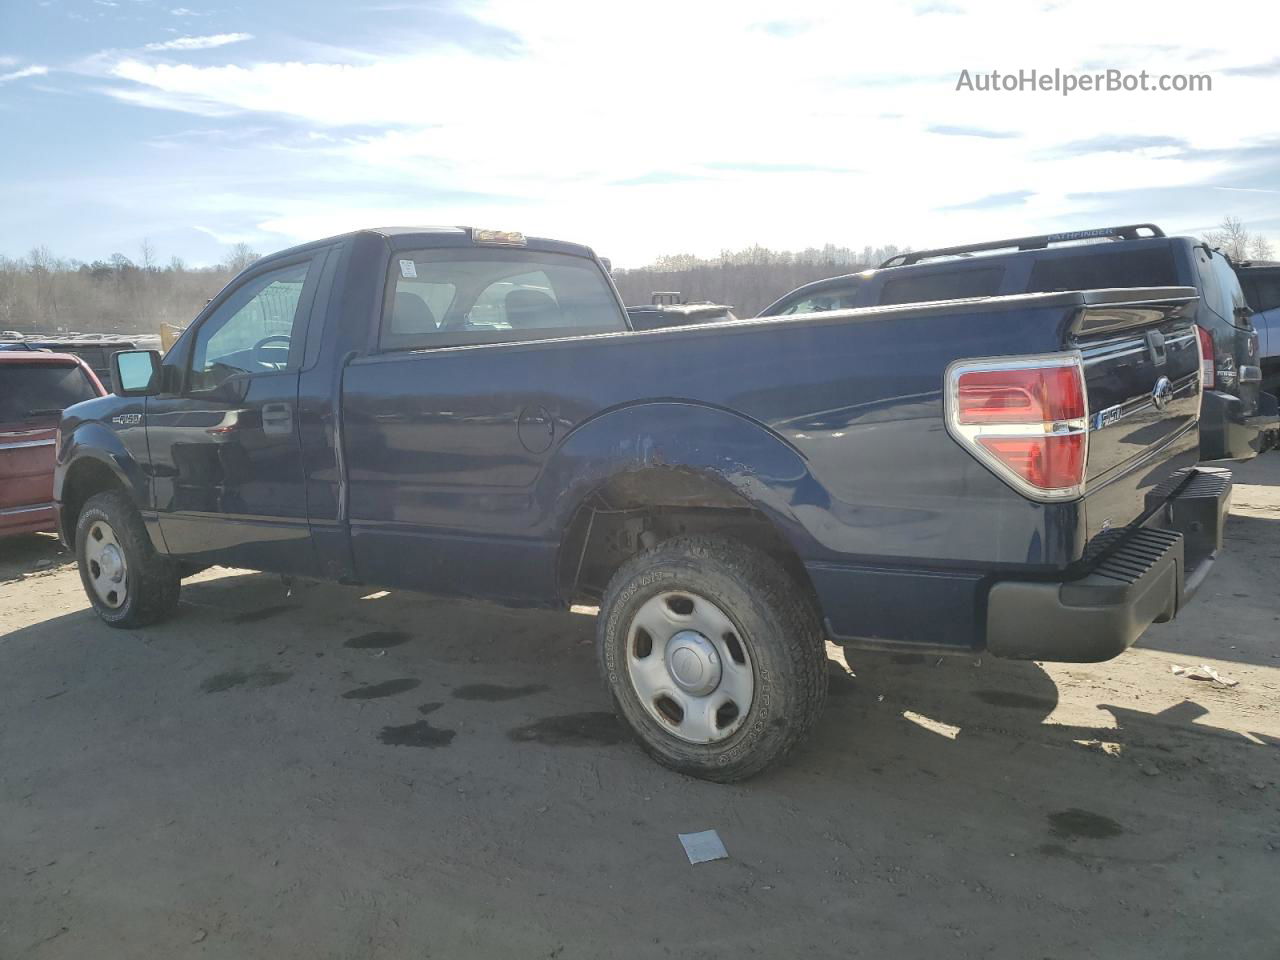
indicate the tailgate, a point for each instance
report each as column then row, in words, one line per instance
column 1142, row 379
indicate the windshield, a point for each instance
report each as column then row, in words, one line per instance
column 40, row 390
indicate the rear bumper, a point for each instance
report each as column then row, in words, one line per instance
column 1226, row 433
column 1145, row 578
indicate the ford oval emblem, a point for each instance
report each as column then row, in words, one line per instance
column 1161, row 392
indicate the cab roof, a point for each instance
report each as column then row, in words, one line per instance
column 408, row 238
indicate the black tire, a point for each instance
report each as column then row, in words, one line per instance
column 776, row 620
column 151, row 582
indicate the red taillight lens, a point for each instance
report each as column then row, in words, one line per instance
column 1026, row 418
column 1049, row 463
column 1031, row 395
column 1207, row 377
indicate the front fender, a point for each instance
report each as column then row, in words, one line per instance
column 761, row 467
column 85, row 441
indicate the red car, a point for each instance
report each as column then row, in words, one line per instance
column 35, row 387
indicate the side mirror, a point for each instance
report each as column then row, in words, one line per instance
column 135, row 373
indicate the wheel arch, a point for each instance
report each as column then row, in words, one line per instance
column 92, row 460
column 645, row 473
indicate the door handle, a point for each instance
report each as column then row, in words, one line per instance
column 277, row 418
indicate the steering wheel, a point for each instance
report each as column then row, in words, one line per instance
column 273, row 363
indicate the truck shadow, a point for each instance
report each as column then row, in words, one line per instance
column 28, row 553
column 1236, row 615
column 925, row 715
column 956, row 697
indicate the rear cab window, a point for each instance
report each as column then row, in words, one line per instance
column 454, row 297
column 30, row 391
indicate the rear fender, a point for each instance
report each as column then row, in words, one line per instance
column 732, row 450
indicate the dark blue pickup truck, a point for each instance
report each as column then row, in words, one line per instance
column 468, row 413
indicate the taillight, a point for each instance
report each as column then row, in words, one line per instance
column 1207, row 379
column 1026, row 418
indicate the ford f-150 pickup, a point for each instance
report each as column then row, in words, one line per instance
column 468, row 412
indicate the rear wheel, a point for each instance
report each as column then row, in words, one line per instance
column 127, row 582
column 715, row 657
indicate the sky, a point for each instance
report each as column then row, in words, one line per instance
column 673, row 126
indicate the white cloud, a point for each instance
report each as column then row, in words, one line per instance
column 33, row 71
column 199, row 43
column 723, row 126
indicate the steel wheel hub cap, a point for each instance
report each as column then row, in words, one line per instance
column 105, row 565
column 693, row 663
column 112, row 564
column 690, row 667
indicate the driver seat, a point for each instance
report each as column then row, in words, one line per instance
column 532, row 309
column 410, row 314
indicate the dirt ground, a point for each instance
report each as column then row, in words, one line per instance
column 347, row 773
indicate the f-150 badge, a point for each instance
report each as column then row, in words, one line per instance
column 127, row 419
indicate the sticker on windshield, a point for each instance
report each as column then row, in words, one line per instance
column 408, row 270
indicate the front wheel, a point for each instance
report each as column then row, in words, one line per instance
column 128, row 583
column 714, row 656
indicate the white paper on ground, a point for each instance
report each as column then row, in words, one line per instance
column 704, row 846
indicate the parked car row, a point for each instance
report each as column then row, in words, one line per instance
column 987, row 453
column 94, row 349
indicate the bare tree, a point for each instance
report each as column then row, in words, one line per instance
column 240, row 256
column 1260, row 248
column 147, row 255
column 1231, row 238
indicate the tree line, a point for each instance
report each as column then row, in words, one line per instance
column 44, row 293
column 48, row 294
column 747, row 280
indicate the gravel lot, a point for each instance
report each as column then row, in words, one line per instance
column 348, row 773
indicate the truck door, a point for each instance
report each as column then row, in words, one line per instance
column 228, row 475
column 444, row 445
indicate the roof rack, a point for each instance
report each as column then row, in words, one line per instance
column 1127, row 232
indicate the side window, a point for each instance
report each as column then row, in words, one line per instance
column 954, row 285
column 1219, row 285
column 453, row 297
column 1266, row 292
column 252, row 331
column 838, row 298
column 1233, row 301
column 1210, row 290
column 1101, row 268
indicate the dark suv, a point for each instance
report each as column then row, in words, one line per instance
column 1261, row 282
column 1238, row 420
